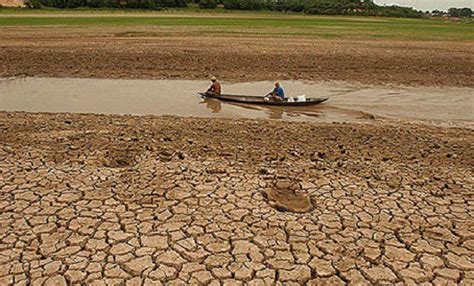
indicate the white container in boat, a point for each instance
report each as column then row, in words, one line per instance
column 301, row 98
column 291, row 99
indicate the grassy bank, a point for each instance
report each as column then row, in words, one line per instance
column 267, row 23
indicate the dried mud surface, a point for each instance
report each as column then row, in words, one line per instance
column 154, row 53
column 123, row 200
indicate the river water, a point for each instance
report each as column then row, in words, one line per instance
column 347, row 102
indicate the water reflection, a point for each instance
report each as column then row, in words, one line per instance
column 212, row 104
column 276, row 113
column 272, row 112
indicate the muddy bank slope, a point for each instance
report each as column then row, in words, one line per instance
column 114, row 53
column 162, row 199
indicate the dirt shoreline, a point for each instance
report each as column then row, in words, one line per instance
column 167, row 54
column 151, row 200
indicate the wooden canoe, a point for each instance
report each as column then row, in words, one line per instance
column 249, row 99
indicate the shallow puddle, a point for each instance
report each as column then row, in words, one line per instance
column 451, row 106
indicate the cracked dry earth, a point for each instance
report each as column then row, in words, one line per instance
column 121, row 200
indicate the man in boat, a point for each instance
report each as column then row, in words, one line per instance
column 215, row 88
column 277, row 94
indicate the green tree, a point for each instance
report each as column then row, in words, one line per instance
column 460, row 12
column 207, row 4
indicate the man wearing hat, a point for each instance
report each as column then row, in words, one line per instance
column 277, row 94
column 215, row 88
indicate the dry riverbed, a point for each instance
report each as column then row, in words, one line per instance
column 119, row 200
column 145, row 200
column 189, row 53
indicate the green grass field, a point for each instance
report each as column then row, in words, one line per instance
column 267, row 23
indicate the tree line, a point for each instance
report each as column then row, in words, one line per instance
column 460, row 12
column 128, row 4
column 321, row 7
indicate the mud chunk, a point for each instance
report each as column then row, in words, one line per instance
column 216, row 170
column 286, row 196
column 119, row 159
column 380, row 274
column 137, row 265
column 166, row 156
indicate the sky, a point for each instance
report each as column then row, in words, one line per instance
column 429, row 4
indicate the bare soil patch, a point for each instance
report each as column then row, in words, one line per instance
column 12, row 3
column 157, row 53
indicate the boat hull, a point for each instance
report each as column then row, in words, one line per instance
column 259, row 100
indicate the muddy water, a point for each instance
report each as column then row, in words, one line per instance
column 347, row 102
